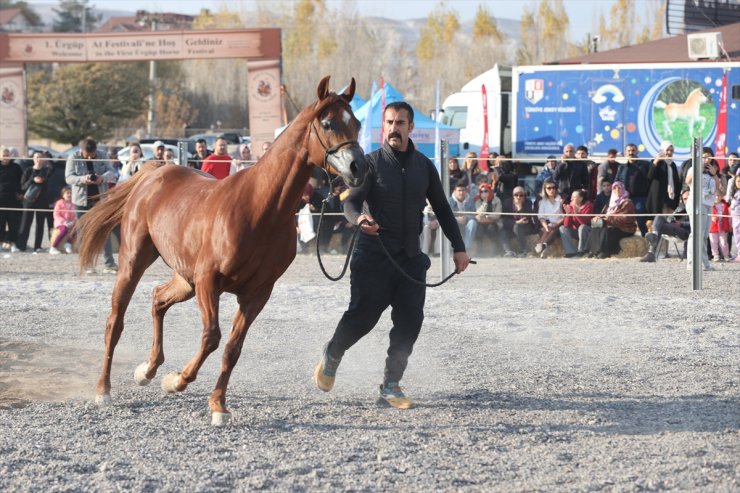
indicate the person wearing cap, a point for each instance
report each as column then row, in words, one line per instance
column 158, row 152
column 219, row 163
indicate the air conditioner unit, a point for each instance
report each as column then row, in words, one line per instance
column 704, row 45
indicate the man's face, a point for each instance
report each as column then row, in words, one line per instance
column 200, row 149
column 159, row 152
column 38, row 159
column 569, row 151
column 397, row 128
column 460, row 193
column 631, row 152
column 581, row 154
column 220, row 147
column 669, row 151
column 169, row 155
column 606, row 187
column 611, row 157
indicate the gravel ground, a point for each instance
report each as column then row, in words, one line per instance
column 529, row 375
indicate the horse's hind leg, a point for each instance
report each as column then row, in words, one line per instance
column 129, row 275
column 164, row 296
column 248, row 311
column 208, row 298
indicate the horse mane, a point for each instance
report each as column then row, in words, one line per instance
column 106, row 215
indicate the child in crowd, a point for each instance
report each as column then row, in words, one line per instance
column 65, row 220
column 718, row 229
column 735, row 211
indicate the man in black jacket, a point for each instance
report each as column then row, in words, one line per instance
column 399, row 182
column 633, row 174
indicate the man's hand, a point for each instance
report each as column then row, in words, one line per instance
column 461, row 260
column 370, row 229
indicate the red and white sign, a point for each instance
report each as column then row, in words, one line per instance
column 483, row 163
column 721, row 141
column 534, row 90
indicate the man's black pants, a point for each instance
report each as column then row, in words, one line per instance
column 377, row 284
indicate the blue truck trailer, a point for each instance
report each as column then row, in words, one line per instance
column 609, row 106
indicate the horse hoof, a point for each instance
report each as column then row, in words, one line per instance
column 102, row 400
column 140, row 375
column 220, row 419
column 170, row 382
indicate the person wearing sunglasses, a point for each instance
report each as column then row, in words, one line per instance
column 518, row 223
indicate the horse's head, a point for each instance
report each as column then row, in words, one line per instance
column 333, row 135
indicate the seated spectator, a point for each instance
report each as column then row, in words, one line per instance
column 549, row 215
column 461, row 203
column 719, row 228
column 576, row 224
column 677, row 225
column 218, row 164
column 470, row 166
column 602, row 198
column 618, row 222
column 548, row 171
column 518, row 223
column 65, row 220
column 489, row 209
column 481, row 179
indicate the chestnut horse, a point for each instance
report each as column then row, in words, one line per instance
column 235, row 235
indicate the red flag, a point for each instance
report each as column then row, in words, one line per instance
column 483, row 163
column 721, row 140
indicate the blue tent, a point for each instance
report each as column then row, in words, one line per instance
column 423, row 134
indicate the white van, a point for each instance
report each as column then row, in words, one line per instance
column 464, row 110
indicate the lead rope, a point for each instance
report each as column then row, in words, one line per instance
column 352, row 248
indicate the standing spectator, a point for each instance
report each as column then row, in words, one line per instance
column 159, row 149
column 469, row 164
column 548, row 171
column 634, row 175
column 265, row 147
column 243, row 159
column 719, row 228
column 88, row 171
column 664, row 190
column 735, row 212
column 507, row 179
column 572, row 172
column 456, row 175
column 617, row 223
column 607, row 171
column 169, row 156
column 36, row 202
column 10, row 198
column 219, row 163
column 576, row 224
column 399, row 181
column 201, row 153
column 518, row 223
column 549, row 216
column 707, row 191
column 65, row 220
column 133, row 164
column 733, row 163
column 461, row 203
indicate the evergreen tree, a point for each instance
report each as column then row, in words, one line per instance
column 75, row 16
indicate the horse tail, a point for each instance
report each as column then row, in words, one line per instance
column 96, row 225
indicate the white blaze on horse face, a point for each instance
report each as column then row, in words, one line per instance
column 346, row 118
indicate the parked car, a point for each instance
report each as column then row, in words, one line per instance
column 38, row 148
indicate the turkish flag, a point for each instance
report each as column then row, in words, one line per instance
column 483, row 163
column 721, row 141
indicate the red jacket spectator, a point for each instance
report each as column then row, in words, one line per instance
column 218, row 166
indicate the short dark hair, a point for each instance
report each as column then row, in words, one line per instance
column 401, row 105
column 707, row 150
column 89, row 145
column 582, row 148
column 202, row 141
column 612, row 152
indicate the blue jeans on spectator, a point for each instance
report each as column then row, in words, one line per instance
column 640, row 209
column 568, row 235
column 108, row 248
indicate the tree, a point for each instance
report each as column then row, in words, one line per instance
column 544, row 34
column 75, row 16
column 28, row 11
column 82, row 100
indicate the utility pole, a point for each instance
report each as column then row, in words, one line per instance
column 151, row 116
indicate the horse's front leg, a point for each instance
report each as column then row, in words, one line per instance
column 248, row 311
column 208, row 298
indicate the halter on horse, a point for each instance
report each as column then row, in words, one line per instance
column 235, row 235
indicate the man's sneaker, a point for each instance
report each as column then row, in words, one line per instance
column 649, row 257
column 68, row 247
column 54, row 251
column 392, row 395
column 326, row 370
column 110, row 269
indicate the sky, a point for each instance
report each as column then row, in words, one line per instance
column 582, row 14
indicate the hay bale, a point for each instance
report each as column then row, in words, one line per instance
column 632, row 246
column 554, row 249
